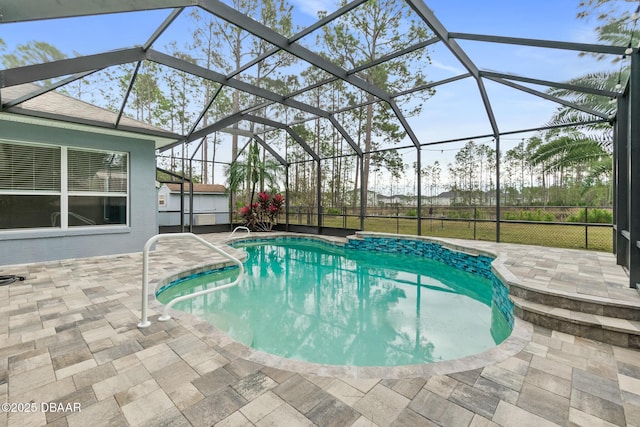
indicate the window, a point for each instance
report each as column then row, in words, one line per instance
column 37, row 190
column 29, row 185
column 97, row 184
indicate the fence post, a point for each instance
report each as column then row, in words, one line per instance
column 475, row 221
column 398, row 218
column 431, row 219
column 586, row 228
column 344, row 217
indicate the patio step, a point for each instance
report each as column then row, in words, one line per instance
column 611, row 330
column 587, row 304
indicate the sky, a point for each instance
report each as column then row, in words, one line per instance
column 455, row 111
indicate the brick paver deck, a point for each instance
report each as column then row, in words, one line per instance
column 69, row 339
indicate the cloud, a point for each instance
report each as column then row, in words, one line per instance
column 441, row 66
column 309, row 7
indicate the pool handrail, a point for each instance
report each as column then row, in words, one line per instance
column 144, row 321
column 240, row 227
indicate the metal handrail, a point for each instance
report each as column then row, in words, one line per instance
column 240, row 227
column 144, row 322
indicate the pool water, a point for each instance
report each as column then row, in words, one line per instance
column 321, row 303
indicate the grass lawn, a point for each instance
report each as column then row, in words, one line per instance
column 561, row 236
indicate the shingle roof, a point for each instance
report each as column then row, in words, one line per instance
column 64, row 105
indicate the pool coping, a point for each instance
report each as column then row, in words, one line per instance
column 519, row 338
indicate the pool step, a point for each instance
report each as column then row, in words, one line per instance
column 611, row 330
column 599, row 306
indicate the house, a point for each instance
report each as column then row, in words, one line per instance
column 69, row 189
column 445, row 198
column 210, row 204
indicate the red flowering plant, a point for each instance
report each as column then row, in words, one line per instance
column 263, row 214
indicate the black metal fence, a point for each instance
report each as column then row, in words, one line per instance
column 555, row 226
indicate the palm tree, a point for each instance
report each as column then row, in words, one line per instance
column 248, row 173
column 603, row 80
column 569, row 151
column 618, row 28
column 591, row 145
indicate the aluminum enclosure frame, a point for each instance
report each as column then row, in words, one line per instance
column 627, row 126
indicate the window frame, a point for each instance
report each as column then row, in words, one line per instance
column 70, row 193
column 64, row 194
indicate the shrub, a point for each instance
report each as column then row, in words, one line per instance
column 594, row 216
column 600, row 216
column 537, row 215
column 263, row 214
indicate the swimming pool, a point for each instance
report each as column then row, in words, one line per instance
column 313, row 301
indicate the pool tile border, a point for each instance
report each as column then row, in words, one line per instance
column 520, row 337
column 478, row 262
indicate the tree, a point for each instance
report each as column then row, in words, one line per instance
column 372, row 30
column 615, row 18
column 33, row 52
column 206, row 42
column 251, row 172
column 275, row 14
column 591, row 146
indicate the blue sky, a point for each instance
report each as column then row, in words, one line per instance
column 456, row 109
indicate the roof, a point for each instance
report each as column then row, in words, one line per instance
column 198, row 188
column 61, row 105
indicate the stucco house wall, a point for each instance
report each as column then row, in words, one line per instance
column 21, row 245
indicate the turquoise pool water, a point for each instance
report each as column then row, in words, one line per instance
column 325, row 304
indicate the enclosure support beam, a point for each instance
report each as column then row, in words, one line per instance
column 231, row 15
column 63, row 67
column 363, row 195
column 498, row 189
column 345, row 135
column 577, row 88
column 46, row 89
column 550, row 98
column 319, row 194
column 275, row 50
column 286, row 197
column 419, row 178
column 127, row 93
column 633, row 162
column 278, row 125
column 439, row 30
column 196, row 70
column 219, row 125
column 267, row 147
column 620, row 180
column 254, row 27
column 580, row 47
column 204, row 111
column 156, row 34
column 32, row 10
column 205, row 73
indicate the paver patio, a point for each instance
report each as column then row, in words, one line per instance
column 69, row 335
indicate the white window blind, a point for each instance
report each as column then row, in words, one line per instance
column 29, row 167
column 97, row 171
